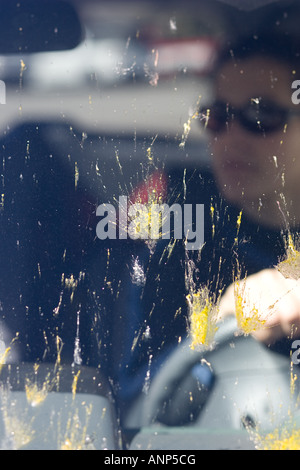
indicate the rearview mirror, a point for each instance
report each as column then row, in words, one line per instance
column 29, row 26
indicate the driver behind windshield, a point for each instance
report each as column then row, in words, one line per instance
column 252, row 215
column 128, row 325
column 254, row 129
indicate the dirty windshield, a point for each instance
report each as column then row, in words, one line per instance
column 149, row 223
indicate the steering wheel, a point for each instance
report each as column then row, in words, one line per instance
column 251, row 386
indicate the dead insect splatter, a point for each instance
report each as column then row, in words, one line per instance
column 203, row 315
column 289, row 267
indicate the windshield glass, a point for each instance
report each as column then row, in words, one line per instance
column 149, row 193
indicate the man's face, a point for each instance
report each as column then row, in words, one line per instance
column 251, row 167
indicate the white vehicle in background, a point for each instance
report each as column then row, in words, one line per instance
column 108, row 61
column 104, row 61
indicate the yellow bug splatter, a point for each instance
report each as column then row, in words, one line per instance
column 247, row 315
column 35, row 395
column 203, row 318
column 285, row 437
column 187, row 126
column 289, row 267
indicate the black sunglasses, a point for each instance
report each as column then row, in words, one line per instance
column 257, row 116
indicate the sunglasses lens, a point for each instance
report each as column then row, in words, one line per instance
column 256, row 117
column 273, row 118
column 263, row 117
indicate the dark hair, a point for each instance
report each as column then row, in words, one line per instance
column 282, row 47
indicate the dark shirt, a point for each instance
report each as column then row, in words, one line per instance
column 61, row 286
column 155, row 315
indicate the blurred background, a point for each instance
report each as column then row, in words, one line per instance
column 141, row 68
